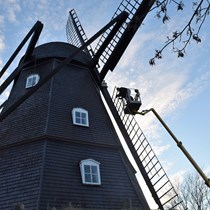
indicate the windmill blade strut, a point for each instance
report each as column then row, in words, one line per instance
column 58, row 68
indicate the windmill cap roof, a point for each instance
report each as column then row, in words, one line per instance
column 60, row 50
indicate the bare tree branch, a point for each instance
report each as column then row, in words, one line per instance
column 200, row 11
column 194, row 193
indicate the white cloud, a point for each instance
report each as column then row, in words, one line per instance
column 1, row 63
column 43, row 5
column 2, row 44
column 13, row 8
column 129, row 58
column 1, row 20
column 165, row 87
column 160, row 149
column 207, row 171
column 194, row 87
column 178, row 177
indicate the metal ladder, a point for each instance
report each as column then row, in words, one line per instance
column 153, row 172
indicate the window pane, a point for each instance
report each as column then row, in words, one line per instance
column 78, row 120
column 30, row 82
column 94, row 169
column 95, row 178
column 77, row 114
column 83, row 115
column 87, row 168
column 33, row 81
column 87, row 178
column 84, row 121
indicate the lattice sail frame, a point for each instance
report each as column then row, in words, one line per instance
column 159, row 180
column 152, row 167
column 129, row 6
column 75, row 33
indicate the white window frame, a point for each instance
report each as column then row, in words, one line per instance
column 80, row 117
column 32, row 80
column 90, row 172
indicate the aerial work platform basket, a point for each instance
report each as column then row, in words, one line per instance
column 131, row 99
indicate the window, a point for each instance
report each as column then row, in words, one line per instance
column 90, row 172
column 80, row 117
column 32, row 80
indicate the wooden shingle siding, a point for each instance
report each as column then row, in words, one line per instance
column 62, row 180
column 41, row 148
column 20, row 171
column 80, row 91
column 29, row 119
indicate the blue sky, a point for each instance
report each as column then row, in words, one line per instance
column 178, row 88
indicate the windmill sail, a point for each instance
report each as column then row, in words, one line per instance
column 137, row 12
column 116, row 36
column 129, row 6
column 150, row 167
column 109, row 53
column 75, row 33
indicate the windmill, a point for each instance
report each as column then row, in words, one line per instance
column 57, row 140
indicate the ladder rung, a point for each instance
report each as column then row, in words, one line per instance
column 155, row 173
column 175, row 204
column 170, row 200
column 138, row 136
column 136, row 142
column 146, row 155
column 135, row 135
column 139, row 144
column 152, row 167
column 162, row 186
column 166, row 192
column 131, row 125
column 149, row 161
column 159, row 179
column 144, row 149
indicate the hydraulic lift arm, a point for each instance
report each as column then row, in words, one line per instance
column 179, row 144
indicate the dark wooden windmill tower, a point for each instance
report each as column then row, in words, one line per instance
column 58, row 144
